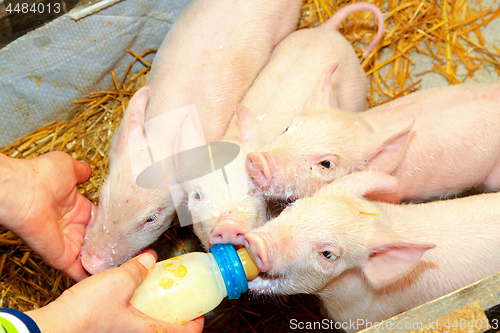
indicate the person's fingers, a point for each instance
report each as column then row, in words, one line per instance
column 83, row 171
column 150, row 251
column 194, row 326
column 84, row 210
column 138, row 267
column 76, row 272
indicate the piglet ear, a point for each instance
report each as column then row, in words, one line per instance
column 247, row 127
column 388, row 148
column 364, row 183
column 322, row 96
column 391, row 256
column 133, row 117
column 190, row 136
column 191, row 158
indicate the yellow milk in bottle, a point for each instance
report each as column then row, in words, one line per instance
column 182, row 288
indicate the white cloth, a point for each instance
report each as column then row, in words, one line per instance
column 42, row 72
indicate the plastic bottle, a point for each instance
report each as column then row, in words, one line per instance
column 182, row 288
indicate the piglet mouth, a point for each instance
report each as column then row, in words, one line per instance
column 277, row 188
column 281, row 191
column 266, row 283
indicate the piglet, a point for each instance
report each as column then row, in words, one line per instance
column 303, row 62
column 436, row 142
column 223, row 202
column 209, row 58
column 368, row 261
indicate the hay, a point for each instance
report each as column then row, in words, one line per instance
column 449, row 33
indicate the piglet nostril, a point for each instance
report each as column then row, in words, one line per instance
column 249, row 164
column 258, row 249
column 92, row 264
column 227, row 230
column 252, row 165
column 216, row 239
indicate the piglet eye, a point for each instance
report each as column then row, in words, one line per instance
column 197, row 196
column 152, row 218
column 328, row 254
column 326, row 164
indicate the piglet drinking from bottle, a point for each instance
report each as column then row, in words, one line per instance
column 368, row 261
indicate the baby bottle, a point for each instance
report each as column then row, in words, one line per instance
column 182, row 288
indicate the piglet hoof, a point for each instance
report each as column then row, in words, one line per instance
column 258, row 249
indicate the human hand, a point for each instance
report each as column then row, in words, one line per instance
column 101, row 303
column 39, row 203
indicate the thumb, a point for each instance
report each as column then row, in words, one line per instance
column 194, row 326
column 138, row 267
column 83, row 171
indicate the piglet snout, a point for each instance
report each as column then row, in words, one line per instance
column 259, row 250
column 94, row 263
column 260, row 167
column 227, row 230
